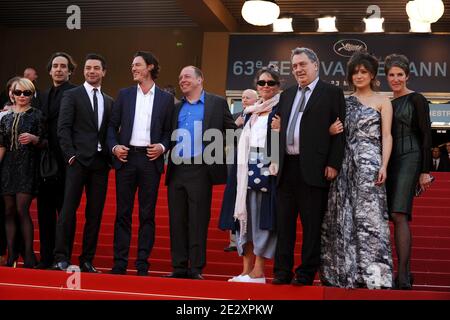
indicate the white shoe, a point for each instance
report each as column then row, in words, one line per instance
column 235, row 279
column 249, row 279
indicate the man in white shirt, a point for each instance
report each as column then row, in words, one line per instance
column 138, row 136
column 82, row 124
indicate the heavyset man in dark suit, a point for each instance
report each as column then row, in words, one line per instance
column 138, row 136
column 82, row 126
column 188, row 178
column 309, row 159
column 51, row 190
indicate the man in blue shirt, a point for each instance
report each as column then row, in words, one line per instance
column 189, row 179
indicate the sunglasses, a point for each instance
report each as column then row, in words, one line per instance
column 270, row 83
column 26, row 93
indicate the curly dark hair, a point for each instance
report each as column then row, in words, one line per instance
column 396, row 60
column 369, row 61
column 149, row 58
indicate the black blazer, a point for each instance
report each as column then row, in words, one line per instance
column 444, row 164
column 217, row 116
column 122, row 119
column 317, row 148
column 77, row 132
column 51, row 113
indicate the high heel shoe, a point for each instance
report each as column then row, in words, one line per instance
column 12, row 262
column 405, row 284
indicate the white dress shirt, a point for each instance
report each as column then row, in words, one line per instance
column 101, row 104
column 436, row 163
column 140, row 137
column 295, row 148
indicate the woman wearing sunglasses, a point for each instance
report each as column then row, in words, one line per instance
column 20, row 140
column 254, row 206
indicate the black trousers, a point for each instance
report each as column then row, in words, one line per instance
column 189, row 195
column 294, row 196
column 139, row 173
column 49, row 204
column 95, row 181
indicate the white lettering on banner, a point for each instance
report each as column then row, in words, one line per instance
column 440, row 113
column 337, row 68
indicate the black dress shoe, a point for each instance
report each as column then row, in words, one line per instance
column 302, row 281
column 43, row 266
column 88, row 267
column 281, row 281
column 178, row 275
column 230, row 249
column 118, row 271
column 61, row 266
column 142, row 273
column 197, row 276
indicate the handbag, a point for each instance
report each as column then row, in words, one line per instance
column 419, row 189
column 258, row 175
column 48, row 167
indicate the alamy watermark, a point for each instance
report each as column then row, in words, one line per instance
column 73, row 22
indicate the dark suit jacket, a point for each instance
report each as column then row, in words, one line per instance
column 51, row 113
column 77, row 132
column 217, row 116
column 444, row 164
column 317, row 148
column 122, row 119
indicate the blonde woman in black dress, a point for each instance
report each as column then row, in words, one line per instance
column 20, row 139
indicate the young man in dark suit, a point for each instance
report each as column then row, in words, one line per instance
column 51, row 189
column 82, row 125
column 189, row 179
column 309, row 159
column 138, row 136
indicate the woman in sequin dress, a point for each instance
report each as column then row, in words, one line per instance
column 356, row 248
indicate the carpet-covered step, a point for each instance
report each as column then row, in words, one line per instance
column 221, row 239
column 435, row 201
column 163, row 251
column 417, row 230
column 430, row 210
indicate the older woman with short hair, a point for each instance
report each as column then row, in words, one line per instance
column 410, row 160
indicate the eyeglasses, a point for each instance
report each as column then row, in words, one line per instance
column 270, row 83
column 26, row 93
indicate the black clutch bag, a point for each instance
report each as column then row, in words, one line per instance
column 419, row 188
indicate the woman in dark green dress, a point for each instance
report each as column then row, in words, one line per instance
column 410, row 159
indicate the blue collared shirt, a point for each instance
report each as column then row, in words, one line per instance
column 190, row 128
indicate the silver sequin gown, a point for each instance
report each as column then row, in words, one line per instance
column 356, row 250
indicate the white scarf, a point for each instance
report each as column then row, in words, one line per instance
column 240, row 209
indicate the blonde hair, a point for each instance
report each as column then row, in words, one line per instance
column 24, row 83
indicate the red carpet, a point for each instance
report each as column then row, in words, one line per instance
column 430, row 262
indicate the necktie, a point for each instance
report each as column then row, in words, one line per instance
column 95, row 107
column 299, row 108
column 435, row 165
